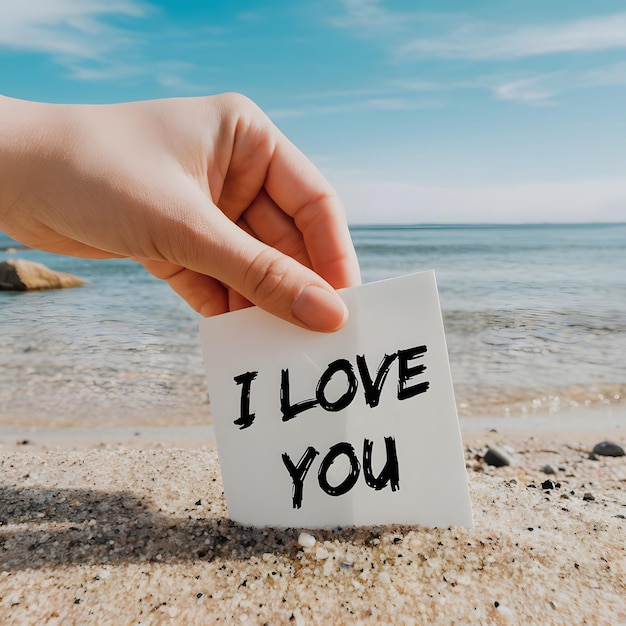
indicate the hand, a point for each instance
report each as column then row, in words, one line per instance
column 206, row 193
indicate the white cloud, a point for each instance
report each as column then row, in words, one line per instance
column 338, row 94
column 483, row 41
column 461, row 37
column 398, row 202
column 534, row 91
column 391, row 103
column 366, row 16
column 177, row 82
column 73, row 31
column 544, row 89
column 608, row 75
column 391, row 95
column 421, row 85
column 457, row 36
column 110, row 72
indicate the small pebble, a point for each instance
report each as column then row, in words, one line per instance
column 608, row 448
column 548, row 484
column 588, row 497
column 306, row 540
column 548, row 469
column 321, row 553
column 497, row 457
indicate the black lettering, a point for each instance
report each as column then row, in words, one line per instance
column 246, row 418
column 289, row 410
column 299, row 472
column 340, row 365
column 372, row 389
column 390, row 472
column 406, row 373
column 329, row 459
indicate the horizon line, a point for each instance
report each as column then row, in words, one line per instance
column 480, row 224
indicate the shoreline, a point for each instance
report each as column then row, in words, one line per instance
column 587, row 422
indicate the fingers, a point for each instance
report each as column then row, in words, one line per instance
column 268, row 223
column 264, row 162
column 298, row 188
column 220, row 258
column 278, row 283
column 260, row 273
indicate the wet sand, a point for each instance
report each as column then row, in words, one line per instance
column 122, row 526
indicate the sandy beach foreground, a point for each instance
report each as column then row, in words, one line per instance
column 136, row 532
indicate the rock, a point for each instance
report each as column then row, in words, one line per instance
column 23, row 275
column 306, row 540
column 321, row 553
column 588, row 497
column 497, row 457
column 608, row 448
column 548, row 469
column 548, row 484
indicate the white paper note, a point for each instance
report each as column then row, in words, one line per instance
column 357, row 427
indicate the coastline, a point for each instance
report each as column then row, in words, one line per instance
column 592, row 423
column 110, row 526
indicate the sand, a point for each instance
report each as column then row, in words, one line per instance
column 131, row 527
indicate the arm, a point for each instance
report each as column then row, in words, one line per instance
column 206, row 193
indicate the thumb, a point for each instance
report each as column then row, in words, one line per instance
column 276, row 282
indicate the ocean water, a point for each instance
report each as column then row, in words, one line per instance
column 535, row 319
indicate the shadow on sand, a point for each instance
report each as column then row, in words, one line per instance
column 42, row 529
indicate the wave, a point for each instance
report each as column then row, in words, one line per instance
column 512, row 402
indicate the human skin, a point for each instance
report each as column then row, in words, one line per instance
column 206, row 193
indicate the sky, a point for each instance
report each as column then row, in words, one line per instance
column 447, row 111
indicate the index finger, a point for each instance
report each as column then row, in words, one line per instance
column 300, row 190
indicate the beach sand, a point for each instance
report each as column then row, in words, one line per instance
column 130, row 527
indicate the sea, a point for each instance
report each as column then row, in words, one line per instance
column 535, row 320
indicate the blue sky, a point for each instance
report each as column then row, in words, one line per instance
column 458, row 110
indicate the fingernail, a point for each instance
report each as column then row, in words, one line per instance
column 319, row 309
